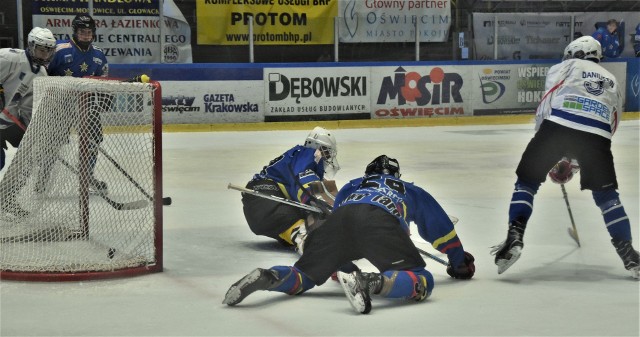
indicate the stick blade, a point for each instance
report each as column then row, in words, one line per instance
column 127, row 206
column 574, row 235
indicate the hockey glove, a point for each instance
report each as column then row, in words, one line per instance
column 564, row 170
column 464, row 271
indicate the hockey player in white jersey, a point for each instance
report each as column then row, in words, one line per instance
column 576, row 119
column 18, row 68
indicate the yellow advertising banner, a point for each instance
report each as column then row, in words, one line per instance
column 275, row 22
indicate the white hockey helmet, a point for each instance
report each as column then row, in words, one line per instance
column 321, row 139
column 585, row 48
column 41, row 45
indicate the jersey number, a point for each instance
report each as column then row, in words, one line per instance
column 393, row 184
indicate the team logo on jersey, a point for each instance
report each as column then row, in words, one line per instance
column 594, row 87
column 68, row 58
column 595, row 83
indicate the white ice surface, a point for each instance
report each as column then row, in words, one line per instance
column 554, row 289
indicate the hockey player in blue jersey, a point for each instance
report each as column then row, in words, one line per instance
column 370, row 220
column 78, row 57
column 576, row 119
column 609, row 39
column 289, row 176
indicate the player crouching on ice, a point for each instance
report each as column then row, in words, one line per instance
column 370, row 220
column 577, row 117
column 292, row 176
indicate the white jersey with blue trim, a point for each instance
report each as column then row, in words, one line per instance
column 581, row 95
column 16, row 76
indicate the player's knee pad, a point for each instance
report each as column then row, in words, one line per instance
column 291, row 280
column 410, row 284
column 521, row 206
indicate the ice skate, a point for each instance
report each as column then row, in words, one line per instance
column 630, row 257
column 259, row 279
column 508, row 252
column 357, row 289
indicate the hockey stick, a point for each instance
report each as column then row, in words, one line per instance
column 165, row 200
column 121, row 206
column 274, row 198
column 318, row 210
column 433, row 257
column 573, row 232
column 314, row 209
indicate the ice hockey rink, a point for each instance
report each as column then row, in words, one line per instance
column 555, row 289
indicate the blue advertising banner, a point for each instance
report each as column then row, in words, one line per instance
column 633, row 85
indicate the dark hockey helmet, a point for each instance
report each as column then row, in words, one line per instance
column 383, row 165
column 83, row 21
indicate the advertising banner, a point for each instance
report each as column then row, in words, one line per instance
column 212, row 102
column 521, row 35
column 420, row 91
column 519, row 88
column 308, row 93
column 545, row 35
column 394, row 20
column 633, row 86
column 509, row 88
column 127, row 33
column 275, row 22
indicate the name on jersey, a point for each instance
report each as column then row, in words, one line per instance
column 598, row 76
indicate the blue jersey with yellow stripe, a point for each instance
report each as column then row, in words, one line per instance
column 408, row 203
column 293, row 171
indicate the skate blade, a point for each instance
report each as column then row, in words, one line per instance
column 635, row 273
column 234, row 294
column 358, row 300
column 504, row 264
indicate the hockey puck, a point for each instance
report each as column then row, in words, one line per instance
column 166, row 201
column 111, row 252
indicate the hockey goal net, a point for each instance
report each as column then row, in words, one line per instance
column 82, row 196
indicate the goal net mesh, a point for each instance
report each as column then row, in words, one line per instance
column 77, row 194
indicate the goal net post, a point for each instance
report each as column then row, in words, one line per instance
column 82, row 197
